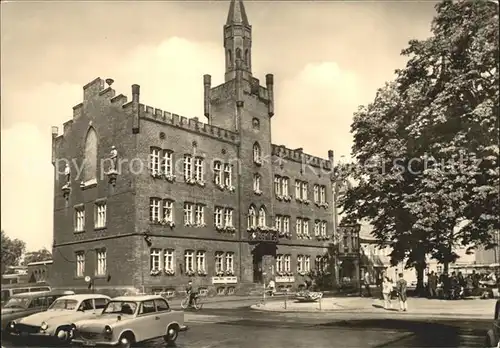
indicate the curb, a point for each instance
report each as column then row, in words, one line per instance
column 363, row 310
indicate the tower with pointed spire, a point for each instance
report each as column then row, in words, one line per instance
column 238, row 41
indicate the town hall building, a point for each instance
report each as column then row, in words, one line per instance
column 162, row 199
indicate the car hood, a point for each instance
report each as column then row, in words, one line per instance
column 12, row 310
column 54, row 317
column 97, row 324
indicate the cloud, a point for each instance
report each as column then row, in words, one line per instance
column 314, row 108
column 27, row 185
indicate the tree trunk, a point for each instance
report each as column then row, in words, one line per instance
column 420, row 268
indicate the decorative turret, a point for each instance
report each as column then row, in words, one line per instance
column 238, row 41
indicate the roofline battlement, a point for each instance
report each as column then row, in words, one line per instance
column 299, row 156
column 190, row 124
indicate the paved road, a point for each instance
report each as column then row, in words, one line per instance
column 233, row 325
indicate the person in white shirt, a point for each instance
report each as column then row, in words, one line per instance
column 387, row 289
column 272, row 286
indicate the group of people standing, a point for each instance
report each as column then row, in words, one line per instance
column 456, row 285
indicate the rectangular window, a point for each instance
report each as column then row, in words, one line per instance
column 284, row 186
column 201, row 261
column 287, row 263
column 307, row 263
column 322, row 195
column 168, row 211
column 318, row 263
column 155, row 259
column 277, row 222
column 101, row 268
column 169, row 260
column 217, row 173
column 279, row 263
column 189, row 261
column 154, row 160
column 323, row 229
column 317, row 228
column 256, row 183
column 304, row 190
column 188, row 167
column 230, row 262
column 167, row 165
column 80, row 264
column 219, row 262
column 228, row 173
column 277, row 185
column 346, row 243
column 286, row 224
column 188, row 214
column 305, row 227
column 198, row 169
column 200, row 215
column 300, row 263
column 218, row 216
column 354, row 242
column 154, row 209
column 297, row 189
column 316, row 193
column 100, row 215
column 298, row 226
column 228, row 217
column 80, row 219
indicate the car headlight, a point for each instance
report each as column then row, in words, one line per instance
column 12, row 324
column 44, row 326
column 108, row 330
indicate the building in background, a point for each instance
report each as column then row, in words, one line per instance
column 163, row 199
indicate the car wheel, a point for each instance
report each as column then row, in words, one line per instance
column 125, row 342
column 172, row 333
column 63, row 335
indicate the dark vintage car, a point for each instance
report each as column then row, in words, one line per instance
column 493, row 335
column 22, row 305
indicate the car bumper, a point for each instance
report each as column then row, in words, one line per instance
column 183, row 328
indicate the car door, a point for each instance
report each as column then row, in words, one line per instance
column 163, row 312
column 146, row 324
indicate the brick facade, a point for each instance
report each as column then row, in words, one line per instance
column 239, row 114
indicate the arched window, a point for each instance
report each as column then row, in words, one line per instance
column 229, row 57
column 262, row 217
column 247, row 58
column 90, row 160
column 257, row 153
column 252, row 217
column 238, row 53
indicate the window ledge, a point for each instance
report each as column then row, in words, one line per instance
column 84, row 185
column 100, row 276
column 100, row 228
column 77, row 232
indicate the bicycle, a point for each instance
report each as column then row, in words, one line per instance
column 197, row 303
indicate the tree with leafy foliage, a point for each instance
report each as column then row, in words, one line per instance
column 426, row 148
column 12, row 251
column 37, row 256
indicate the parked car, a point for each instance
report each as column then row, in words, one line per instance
column 56, row 321
column 14, row 289
column 22, row 305
column 127, row 320
column 493, row 335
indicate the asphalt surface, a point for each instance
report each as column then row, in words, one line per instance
column 234, row 325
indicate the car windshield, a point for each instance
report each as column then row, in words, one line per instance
column 69, row 305
column 18, row 302
column 120, row 307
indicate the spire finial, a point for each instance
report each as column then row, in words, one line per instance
column 237, row 13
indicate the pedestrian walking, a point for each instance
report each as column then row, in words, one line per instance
column 432, row 283
column 367, row 284
column 387, row 289
column 401, row 287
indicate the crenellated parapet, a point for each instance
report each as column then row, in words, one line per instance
column 189, row 124
column 297, row 155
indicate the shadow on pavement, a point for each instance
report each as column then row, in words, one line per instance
column 426, row 333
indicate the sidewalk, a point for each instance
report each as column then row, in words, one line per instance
column 477, row 309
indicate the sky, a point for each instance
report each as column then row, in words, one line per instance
column 327, row 58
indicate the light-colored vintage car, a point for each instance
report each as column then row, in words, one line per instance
column 56, row 321
column 127, row 320
column 24, row 304
column 493, row 334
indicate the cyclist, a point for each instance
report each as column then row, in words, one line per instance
column 192, row 292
